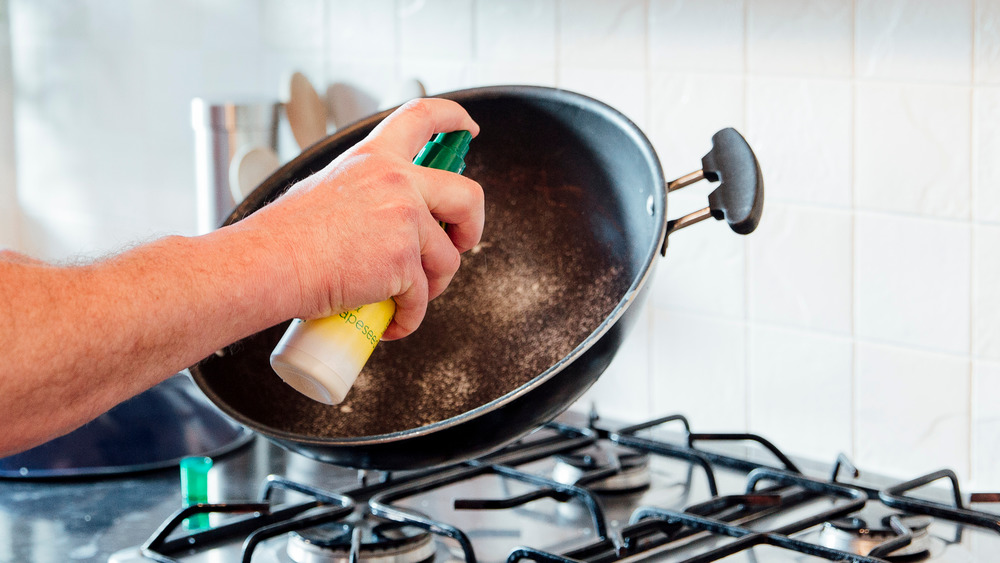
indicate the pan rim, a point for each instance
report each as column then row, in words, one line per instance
column 645, row 148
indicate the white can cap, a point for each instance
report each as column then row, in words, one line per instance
column 309, row 376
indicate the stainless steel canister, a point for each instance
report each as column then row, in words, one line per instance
column 221, row 130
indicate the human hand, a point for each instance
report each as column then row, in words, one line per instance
column 365, row 228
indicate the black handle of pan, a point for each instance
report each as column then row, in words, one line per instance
column 739, row 199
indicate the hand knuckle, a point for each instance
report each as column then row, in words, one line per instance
column 476, row 193
column 476, row 189
column 420, row 107
column 454, row 261
column 408, row 327
column 393, row 178
column 404, row 212
column 405, row 258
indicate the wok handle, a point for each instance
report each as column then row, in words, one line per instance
column 739, row 199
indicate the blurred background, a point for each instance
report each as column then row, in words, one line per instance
column 862, row 317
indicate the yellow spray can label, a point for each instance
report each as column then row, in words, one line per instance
column 363, row 327
column 321, row 358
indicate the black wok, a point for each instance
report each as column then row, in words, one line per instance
column 576, row 204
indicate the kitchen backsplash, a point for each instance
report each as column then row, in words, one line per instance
column 862, row 317
column 10, row 216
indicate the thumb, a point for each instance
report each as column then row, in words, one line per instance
column 408, row 129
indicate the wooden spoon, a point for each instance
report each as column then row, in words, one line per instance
column 306, row 112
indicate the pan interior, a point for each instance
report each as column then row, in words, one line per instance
column 567, row 233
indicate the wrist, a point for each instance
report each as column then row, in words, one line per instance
column 260, row 273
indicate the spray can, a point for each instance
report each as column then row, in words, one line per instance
column 321, row 358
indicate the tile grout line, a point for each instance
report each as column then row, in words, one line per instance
column 854, row 236
column 19, row 239
column 807, row 76
column 648, row 110
column 747, row 383
column 473, row 59
column 397, row 35
column 812, row 332
column 853, row 208
column 324, row 12
column 970, row 373
column 557, row 32
column 650, row 387
column 887, row 212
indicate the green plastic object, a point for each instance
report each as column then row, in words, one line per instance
column 194, row 488
column 445, row 151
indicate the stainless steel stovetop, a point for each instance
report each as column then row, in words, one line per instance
column 565, row 493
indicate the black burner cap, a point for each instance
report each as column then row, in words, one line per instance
column 861, row 527
column 374, row 535
column 586, row 460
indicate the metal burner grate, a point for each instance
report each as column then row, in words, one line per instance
column 265, row 523
column 895, row 497
column 654, row 528
column 744, row 519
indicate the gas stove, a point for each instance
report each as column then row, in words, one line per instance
column 592, row 493
column 577, row 490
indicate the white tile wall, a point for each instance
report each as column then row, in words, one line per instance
column 10, row 222
column 819, row 113
column 698, row 367
column 986, row 425
column 427, row 30
column 866, row 301
column 913, row 281
column 912, row 410
column 10, row 214
column 912, row 148
column 226, row 25
column 685, row 109
column 438, row 76
column 517, row 32
column 986, row 154
column 296, row 25
column 926, row 40
column 608, row 35
column 986, row 292
column 681, row 40
column 986, row 67
column 361, row 31
column 790, row 370
column 488, row 74
column 625, row 90
column 805, row 38
column 703, row 272
column 615, row 395
column 800, row 266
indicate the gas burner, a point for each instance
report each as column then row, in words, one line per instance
column 380, row 542
column 633, row 475
column 855, row 535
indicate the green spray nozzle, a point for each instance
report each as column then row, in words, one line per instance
column 194, row 488
column 445, row 151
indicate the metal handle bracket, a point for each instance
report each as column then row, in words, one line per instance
column 739, row 199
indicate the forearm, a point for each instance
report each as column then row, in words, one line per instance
column 133, row 320
column 78, row 340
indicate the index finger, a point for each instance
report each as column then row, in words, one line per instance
column 408, row 129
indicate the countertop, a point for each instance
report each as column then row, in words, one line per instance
column 88, row 520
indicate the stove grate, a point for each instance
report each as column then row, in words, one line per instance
column 770, row 489
column 265, row 522
column 503, row 464
column 895, row 497
column 656, row 529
